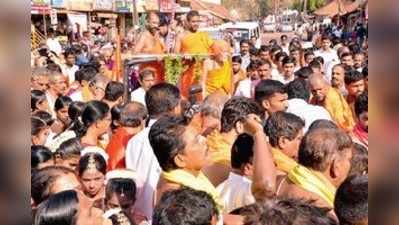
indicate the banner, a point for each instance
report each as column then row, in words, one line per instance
column 40, row 5
column 168, row 6
column 106, row 5
column 80, row 5
column 58, row 3
column 78, row 18
column 124, row 6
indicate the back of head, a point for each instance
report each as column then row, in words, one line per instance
column 132, row 114
column 122, row 187
column 322, row 123
column 236, row 110
column 44, row 116
column 60, row 209
column 361, row 104
column 213, row 105
column 161, row 99
column 85, row 74
column 359, row 161
column 304, row 72
column 242, row 152
column 37, row 125
column 353, row 76
column 114, row 91
column 99, row 80
column 298, row 88
column 43, row 179
column 296, row 212
column 283, row 212
column 40, row 71
column 283, row 125
column 351, row 201
column 69, row 148
column 317, row 149
column 184, row 206
column 267, row 88
column 39, row 154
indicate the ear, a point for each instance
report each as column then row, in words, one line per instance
column 35, row 140
column 180, row 161
column 239, row 127
column 265, row 104
column 282, row 142
column 334, row 168
column 248, row 169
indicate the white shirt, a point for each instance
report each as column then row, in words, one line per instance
column 309, row 113
column 244, row 88
column 328, row 72
column 246, row 60
column 54, row 45
column 275, row 74
column 328, row 56
column 141, row 158
column 282, row 79
column 70, row 72
column 77, row 96
column 235, row 192
column 51, row 103
column 138, row 95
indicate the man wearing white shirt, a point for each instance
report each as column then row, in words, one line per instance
column 326, row 52
column 57, row 87
column 146, row 80
column 358, row 61
column 161, row 99
column 299, row 95
column 271, row 96
column 245, row 87
column 284, row 44
column 52, row 42
column 245, row 56
column 69, row 68
column 288, row 70
column 236, row 192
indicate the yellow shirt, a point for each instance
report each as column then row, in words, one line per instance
column 219, row 149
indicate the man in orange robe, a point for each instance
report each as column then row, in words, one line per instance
column 151, row 43
column 192, row 41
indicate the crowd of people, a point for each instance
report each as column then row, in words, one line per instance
column 274, row 135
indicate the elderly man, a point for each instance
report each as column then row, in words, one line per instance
column 326, row 96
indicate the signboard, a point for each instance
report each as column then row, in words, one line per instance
column 124, row 6
column 40, row 5
column 151, row 5
column 53, row 17
column 80, row 5
column 168, row 6
column 58, row 3
column 106, row 5
column 78, row 18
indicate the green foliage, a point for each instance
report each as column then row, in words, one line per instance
column 173, row 69
column 312, row 5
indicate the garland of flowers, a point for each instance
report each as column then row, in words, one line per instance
column 173, row 69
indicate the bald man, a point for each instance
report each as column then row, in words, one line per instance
column 328, row 97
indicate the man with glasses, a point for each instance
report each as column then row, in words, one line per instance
column 97, row 87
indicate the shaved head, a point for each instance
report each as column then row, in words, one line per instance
column 319, row 87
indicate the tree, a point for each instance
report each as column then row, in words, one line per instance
column 312, row 5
